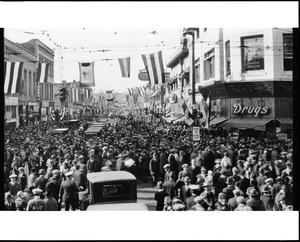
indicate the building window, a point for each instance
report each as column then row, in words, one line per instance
column 34, row 84
column 46, row 90
column 227, row 58
column 252, row 53
column 14, row 112
column 29, row 81
column 209, row 64
column 287, row 52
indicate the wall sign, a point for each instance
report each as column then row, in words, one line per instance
column 239, row 109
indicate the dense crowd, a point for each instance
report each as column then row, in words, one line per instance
column 218, row 173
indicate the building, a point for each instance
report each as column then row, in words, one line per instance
column 27, row 107
column 45, row 91
column 248, row 74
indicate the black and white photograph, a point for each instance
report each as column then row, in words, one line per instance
column 129, row 120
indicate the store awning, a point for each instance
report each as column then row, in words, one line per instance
column 285, row 123
column 247, row 123
column 219, row 120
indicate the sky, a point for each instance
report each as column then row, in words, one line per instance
column 73, row 45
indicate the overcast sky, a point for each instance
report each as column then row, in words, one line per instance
column 85, row 45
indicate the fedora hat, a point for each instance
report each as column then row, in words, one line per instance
column 253, row 192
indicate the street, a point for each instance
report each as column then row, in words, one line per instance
column 145, row 194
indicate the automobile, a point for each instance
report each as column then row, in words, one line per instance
column 93, row 130
column 60, row 131
column 113, row 190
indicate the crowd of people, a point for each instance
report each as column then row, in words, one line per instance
column 47, row 172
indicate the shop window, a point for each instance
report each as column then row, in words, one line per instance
column 14, row 112
column 287, row 52
column 209, row 64
column 252, row 53
column 227, row 58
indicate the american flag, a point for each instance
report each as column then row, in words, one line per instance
column 12, row 76
column 125, row 66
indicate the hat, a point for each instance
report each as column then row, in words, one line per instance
column 166, row 165
column 185, row 166
column 7, row 195
column 37, row 191
column 223, row 172
column 217, row 165
column 253, row 192
column 178, row 207
column 69, row 173
column 221, row 196
column 218, row 161
column 186, row 178
column 205, row 184
column 289, row 163
column 80, row 157
column 269, row 180
column 203, row 168
column 177, row 200
column 41, row 171
column 55, row 172
column 279, row 179
column 13, row 176
column 229, row 180
column 21, row 169
column 194, row 187
column 199, row 199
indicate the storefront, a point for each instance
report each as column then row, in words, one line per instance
column 251, row 107
column 11, row 113
column 33, row 113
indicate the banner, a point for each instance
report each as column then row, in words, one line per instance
column 12, row 76
column 86, row 73
column 125, row 66
column 155, row 68
column 196, row 133
column 42, row 72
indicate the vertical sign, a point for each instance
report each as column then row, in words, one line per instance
column 196, row 133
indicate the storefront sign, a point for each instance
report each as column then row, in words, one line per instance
column 239, row 109
column 196, row 133
column 281, row 136
column 45, row 104
column 11, row 101
column 143, row 76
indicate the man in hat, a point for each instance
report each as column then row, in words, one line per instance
column 69, row 193
column 41, row 181
column 13, row 185
column 241, row 204
column 194, row 170
column 9, row 203
column 194, row 192
column 92, row 164
column 173, row 161
column 228, row 191
column 208, row 196
column 232, row 204
column 183, row 188
column 221, row 204
column 22, row 178
column 199, row 201
column 163, row 160
column 254, row 201
column 159, row 196
column 31, row 177
column 167, row 172
column 15, row 164
column 221, row 182
column 50, row 201
column 154, row 169
column 53, row 185
column 144, row 165
column 36, row 204
column 267, row 198
column 226, row 161
column 170, row 185
column 184, row 172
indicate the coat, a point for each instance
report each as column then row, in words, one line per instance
column 170, row 188
column 160, row 197
column 194, row 171
column 69, row 191
column 256, row 204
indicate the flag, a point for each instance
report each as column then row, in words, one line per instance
column 87, row 93
column 74, row 95
column 86, row 73
column 42, row 72
column 12, row 76
column 154, row 66
column 109, row 95
column 125, row 66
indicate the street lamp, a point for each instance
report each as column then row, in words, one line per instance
column 191, row 31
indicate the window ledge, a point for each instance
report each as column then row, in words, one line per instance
column 254, row 73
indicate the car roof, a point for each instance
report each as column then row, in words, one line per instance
column 59, row 130
column 109, row 176
column 118, row 207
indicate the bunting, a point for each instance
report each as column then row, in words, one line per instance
column 42, row 72
column 154, row 66
column 125, row 66
column 12, row 76
column 86, row 73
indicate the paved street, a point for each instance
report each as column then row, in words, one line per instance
column 145, row 194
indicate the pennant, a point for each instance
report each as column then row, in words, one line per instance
column 42, row 72
column 87, row 93
column 154, row 66
column 12, row 76
column 125, row 66
column 86, row 73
